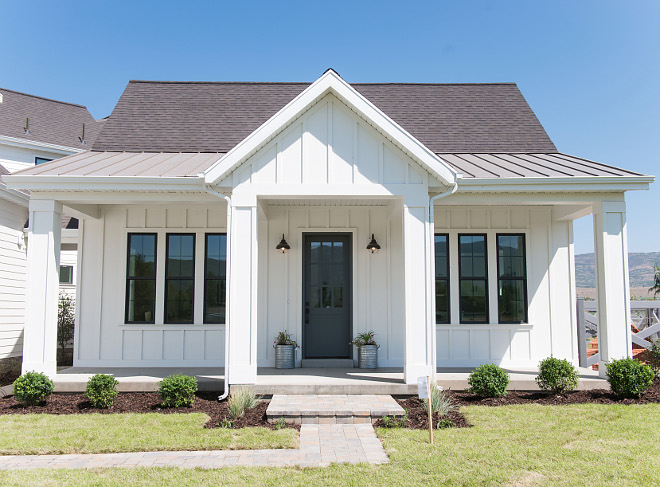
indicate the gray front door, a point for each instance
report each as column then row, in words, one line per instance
column 327, row 295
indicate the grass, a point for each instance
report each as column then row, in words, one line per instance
column 25, row 434
column 579, row 445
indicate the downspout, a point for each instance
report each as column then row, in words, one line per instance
column 210, row 190
column 434, row 366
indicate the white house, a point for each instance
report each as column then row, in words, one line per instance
column 190, row 186
column 33, row 131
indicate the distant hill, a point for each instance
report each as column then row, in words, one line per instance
column 641, row 269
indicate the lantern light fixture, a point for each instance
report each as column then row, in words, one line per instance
column 373, row 246
column 283, row 246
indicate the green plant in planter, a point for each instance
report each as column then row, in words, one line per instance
column 366, row 338
column 32, row 387
column 177, row 391
column 488, row 380
column 629, row 377
column 285, row 338
column 101, row 390
column 557, row 375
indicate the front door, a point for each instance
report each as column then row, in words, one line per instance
column 327, row 295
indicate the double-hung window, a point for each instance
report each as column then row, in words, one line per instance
column 141, row 278
column 511, row 278
column 180, row 278
column 215, row 278
column 442, row 278
column 473, row 274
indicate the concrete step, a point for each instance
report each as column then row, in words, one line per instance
column 332, row 409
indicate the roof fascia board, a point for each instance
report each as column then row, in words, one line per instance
column 103, row 183
column 564, row 184
column 31, row 144
column 14, row 196
column 330, row 82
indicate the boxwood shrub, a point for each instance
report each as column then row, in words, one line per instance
column 101, row 390
column 32, row 387
column 488, row 380
column 557, row 375
column 629, row 377
column 177, row 391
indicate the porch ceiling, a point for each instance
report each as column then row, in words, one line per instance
column 328, row 202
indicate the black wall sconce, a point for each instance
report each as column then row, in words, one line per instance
column 283, row 246
column 373, row 246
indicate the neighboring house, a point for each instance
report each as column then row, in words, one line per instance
column 191, row 186
column 33, row 131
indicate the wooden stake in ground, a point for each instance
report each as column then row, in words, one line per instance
column 428, row 381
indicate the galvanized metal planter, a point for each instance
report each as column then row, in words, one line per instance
column 285, row 356
column 368, row 356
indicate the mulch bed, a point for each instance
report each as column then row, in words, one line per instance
column 205, row 402
column 417, row 418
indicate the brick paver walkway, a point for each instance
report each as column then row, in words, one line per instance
column 320, row 445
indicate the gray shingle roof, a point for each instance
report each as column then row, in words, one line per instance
column 48, row 121
column 155, row 116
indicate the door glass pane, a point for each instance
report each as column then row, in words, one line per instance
column 338, row 297
column 316, row 297
column 326, row 297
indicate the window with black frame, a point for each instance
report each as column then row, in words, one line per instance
column 473, row 273
column 141, row 278
column 180, row 278
column 511, row 279
column 442, row 278
column 215, row 278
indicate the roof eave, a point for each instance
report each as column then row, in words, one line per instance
column 103, row 183
column 560, row 184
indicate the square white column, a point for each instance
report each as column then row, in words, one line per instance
column 43, row 264
column 243, row 296
column 611, row 249
column 418, row 341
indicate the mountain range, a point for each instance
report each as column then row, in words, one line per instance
column 641, row 269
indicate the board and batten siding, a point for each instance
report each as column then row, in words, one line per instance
column 13, row 256
column 102, row 338
column 550, row 290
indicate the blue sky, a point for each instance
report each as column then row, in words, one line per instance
column 589, row 69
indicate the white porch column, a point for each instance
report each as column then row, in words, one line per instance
column 611, row 249
column 243, row 296
column 418, row 341
column 43, row 263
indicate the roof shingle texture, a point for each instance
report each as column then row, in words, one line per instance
column 154, row 116
column 48, row 121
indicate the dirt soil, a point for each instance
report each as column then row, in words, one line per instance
column 419, row 419
column 205, row 402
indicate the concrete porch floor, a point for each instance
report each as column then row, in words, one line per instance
column 302, row 380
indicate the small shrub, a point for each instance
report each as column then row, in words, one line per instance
column 628, row 377
column 394, row 422
column 66, row 321
column 441, row 402
column 227, row 423
column 32, row 387
column 240, row 400
column 444, row 423
column 654, row 356
column 557, row 375
column 279, row 424
column 488, row 380
column 177, row 391
column 101, row 390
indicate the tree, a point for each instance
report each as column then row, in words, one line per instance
column 65, row 320
column 656, row 281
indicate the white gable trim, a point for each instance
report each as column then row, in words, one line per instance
column 330, row 82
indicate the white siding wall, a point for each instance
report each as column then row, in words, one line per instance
column 13, row 257
column 550, row 290
column 102, row 338
column 15, row 158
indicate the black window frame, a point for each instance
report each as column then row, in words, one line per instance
column 140, row 278
column 461, row 279
column 523, row 279
column 447, row 280
column 167, row 278
column 41, row 160
column 206, row 279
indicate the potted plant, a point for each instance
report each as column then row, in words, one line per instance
column 285, row 351
column 367, row 350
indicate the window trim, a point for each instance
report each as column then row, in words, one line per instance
column 206, row 246
column 523, row 279
column 447, row 279
column 129, row 279
column 70, row 281
column 485, row 279
column 167, row 278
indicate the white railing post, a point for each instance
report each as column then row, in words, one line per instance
column 581, row 334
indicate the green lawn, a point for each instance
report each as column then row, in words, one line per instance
column 577, row 445
column 23, row 434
